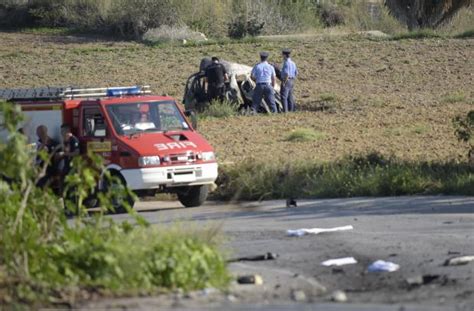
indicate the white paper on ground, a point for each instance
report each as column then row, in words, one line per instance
column 383, row 266
column 339, row 261
column 303, row 231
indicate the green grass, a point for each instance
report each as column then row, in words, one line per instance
column 417, row 129
column 328, row 97
column 465, row 34
column 417, row 34
column 420, row 129
column 47, row 30
column 453, row 98
column 219, row 109
column 371, row 175
column 305, row 135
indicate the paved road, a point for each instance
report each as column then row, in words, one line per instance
column 418, row 233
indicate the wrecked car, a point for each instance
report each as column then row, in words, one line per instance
column 238, row 89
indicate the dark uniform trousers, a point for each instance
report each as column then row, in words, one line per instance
column 263, row 90
column 286, row 94
column 216, row 91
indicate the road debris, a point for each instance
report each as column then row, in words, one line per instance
column 267, row 256
column 304, row 231
column 250, row 279
column 421, row 280
column 298, row 295
column 457, row 261
column 339, row 261
column 291, row 203
column 339, row 296
column 383, row 266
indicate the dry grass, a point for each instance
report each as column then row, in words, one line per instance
column 375, row 86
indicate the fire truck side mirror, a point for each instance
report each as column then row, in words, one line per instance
column 192, row 116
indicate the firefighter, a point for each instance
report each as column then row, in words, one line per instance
column 216, row 76
column 289, row 71
column 264, row 76
column 48, row 145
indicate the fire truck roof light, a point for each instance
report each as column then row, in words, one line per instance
column 134, row 90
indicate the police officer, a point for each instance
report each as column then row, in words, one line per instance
column 264, row 76
column 216, row 76
column 289, row 71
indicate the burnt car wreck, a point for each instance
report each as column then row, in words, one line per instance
column 238, row 89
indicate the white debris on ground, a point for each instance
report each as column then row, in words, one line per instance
column 457, row 261
column 304, row 231
column 383, row 266
column 167, row 33
column 339, row 262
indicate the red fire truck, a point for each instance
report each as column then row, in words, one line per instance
column 145, row 140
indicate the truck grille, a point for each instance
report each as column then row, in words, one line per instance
column 188, row 157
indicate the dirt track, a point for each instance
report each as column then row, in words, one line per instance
column 395, row 97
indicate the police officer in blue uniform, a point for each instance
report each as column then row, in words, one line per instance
column 289, row 71
column 264, row 76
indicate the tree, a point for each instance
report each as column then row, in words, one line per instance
column 425, row 13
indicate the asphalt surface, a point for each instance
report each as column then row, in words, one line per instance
column 418, row 233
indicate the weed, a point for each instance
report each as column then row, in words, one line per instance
column 220, row 109
column 328, row 97
column 420, row 129
column 465, row 34
column 453, row 98
column 304, row 135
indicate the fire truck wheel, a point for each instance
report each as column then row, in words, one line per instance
column 193, row 196
column 119, row 202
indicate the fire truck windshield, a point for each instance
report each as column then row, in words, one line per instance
column 129, row 119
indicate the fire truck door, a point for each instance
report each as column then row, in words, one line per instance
column 94, row 132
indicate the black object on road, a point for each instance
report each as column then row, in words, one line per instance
column 291, row 202
column 267, row 256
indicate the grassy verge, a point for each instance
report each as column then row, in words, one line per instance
column 370, row 175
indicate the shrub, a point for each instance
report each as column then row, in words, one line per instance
column 465, row 34
column 45, row 259
column 464, row 130
column 361, row 15
column 240, row 27
column 331, row 16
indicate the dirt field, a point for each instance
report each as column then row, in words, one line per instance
column 394, row 97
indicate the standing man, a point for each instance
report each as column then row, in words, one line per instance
column 264, row 76
column 288, row 76
column 216, row 76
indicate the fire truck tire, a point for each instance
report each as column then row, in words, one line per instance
column 119, row 205
column 193, row 196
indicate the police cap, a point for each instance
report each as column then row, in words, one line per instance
column 264, row 54
column 286, row 51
